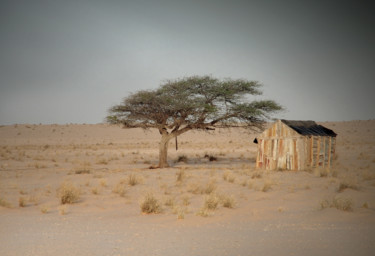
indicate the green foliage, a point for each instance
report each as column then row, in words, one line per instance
column 196, row 102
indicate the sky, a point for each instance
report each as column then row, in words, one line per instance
column 70, row 61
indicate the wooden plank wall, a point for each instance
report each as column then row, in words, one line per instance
column 280, row 147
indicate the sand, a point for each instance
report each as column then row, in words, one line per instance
column 270, row 213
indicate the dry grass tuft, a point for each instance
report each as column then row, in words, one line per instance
column 228, row 201
column 5, row 203
column 368, row 175
column 267, row 185
column 44, row 209
column 210, row 158
column 350, row 183
column 182, row 158
column 180, row 211
column 133, row 179
column 209, row 188
column 229, row 176
column 323, row 172
column 68, row 193
column 103, row 182
column 21, row 202
column 82, row 171
column 186, row 200
column 211, row 202
column 170, row 202
column 95, row 191
column 120, row 189
column 257, row 175
column 204, row 212
column 150, row 204
column 343, row 204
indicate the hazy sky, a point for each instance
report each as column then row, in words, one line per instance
column 69, row 61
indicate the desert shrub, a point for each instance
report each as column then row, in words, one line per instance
column 211, row 202
column 169, row 201
column 120, row 189
column 204, row 212
column 68, row 193
column 194, row 188
column 133, row 179
column 209, row 188
column 267, row 185
column 343, row 204
column 82, row 171
column 180, row 213
column 103, row 182
column 150, row 204
column 347, row 183
column 44, row 209
column 368, row 175
column 102, row 161
column 227, row 201
column 257, row 175
column 228, row 176
column 186, row 200
column 95, row 191
column 5, row 203
column 321, row 172
column 21, row 202
column 182, row 158
column 211, row 158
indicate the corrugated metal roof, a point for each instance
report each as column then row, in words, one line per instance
column 309, row 128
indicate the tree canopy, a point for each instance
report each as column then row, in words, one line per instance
column 197, row 102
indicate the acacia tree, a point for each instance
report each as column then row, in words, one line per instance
column 193, row 103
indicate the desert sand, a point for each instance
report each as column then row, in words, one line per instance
column 211, row 202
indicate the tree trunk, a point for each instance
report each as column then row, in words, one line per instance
column 163, row 151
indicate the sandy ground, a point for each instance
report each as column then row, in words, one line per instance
column 269, row 213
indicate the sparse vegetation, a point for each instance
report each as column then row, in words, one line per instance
column 211, row 202
column 44, row 209
column 322, row 172
column 133, row 179
column 257, row 175
column 348, row 183
column 267, row 185
column 21, row 202
column 227, row 201
column 68, row 193
column 150, row 204
column 182, row 158
column 209, row 188
column 343, row 204
column 210, row 158
column 82, row 171
column 120, row 189
column 229, row 176
column 4, row 203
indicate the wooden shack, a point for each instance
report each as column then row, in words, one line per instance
column 295, row 145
